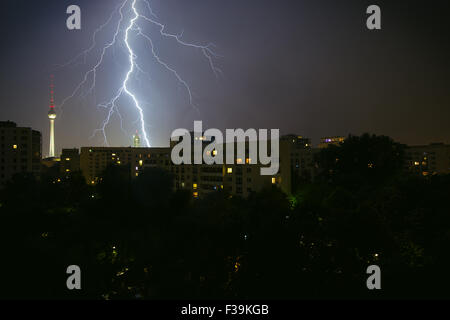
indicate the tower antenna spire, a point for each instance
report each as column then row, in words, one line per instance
column 52, row 86
column 52, row 117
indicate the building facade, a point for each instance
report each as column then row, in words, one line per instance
column 69, row 160
column 200, row 179
column 297, row 161
column 94, row 160
column 20, row 151
column 326, row 141
column 428, row 159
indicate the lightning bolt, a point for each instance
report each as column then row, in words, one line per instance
column 133, row 28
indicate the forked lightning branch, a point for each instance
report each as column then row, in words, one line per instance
column 132, row 17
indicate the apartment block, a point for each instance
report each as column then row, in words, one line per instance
column 428, row 159
column 20, row 151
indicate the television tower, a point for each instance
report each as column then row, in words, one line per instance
column 52, row 117
column 136, row 140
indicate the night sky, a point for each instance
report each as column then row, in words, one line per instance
column 309, row 67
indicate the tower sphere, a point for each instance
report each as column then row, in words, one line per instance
column 52, row 114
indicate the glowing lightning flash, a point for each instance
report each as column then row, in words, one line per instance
column 132, row 57
column 133, row 27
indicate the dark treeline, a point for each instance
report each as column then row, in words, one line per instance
column 137, row 238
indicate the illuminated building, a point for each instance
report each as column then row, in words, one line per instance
column 326, row 141
column 428, row 159
column 69, row 160
column 20, row 151
column 94, row 160
column 238, row 179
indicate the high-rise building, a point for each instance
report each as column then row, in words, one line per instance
column 20, row 151
column 52, row 117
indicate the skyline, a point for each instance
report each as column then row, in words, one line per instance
column 329, row 67
column 135, row 139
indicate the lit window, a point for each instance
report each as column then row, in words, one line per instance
column 194, row 186
column 14, row 146
column 67, row 170
column 416, row 163
column 274, row 180
column 214, row 152
column 67, row 159
column 229, row 170
column 195, row 194
column 248, row 161
column 118, row 162
column 140, row 162
column 239, row 161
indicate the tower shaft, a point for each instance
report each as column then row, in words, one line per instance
column 51, row 152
